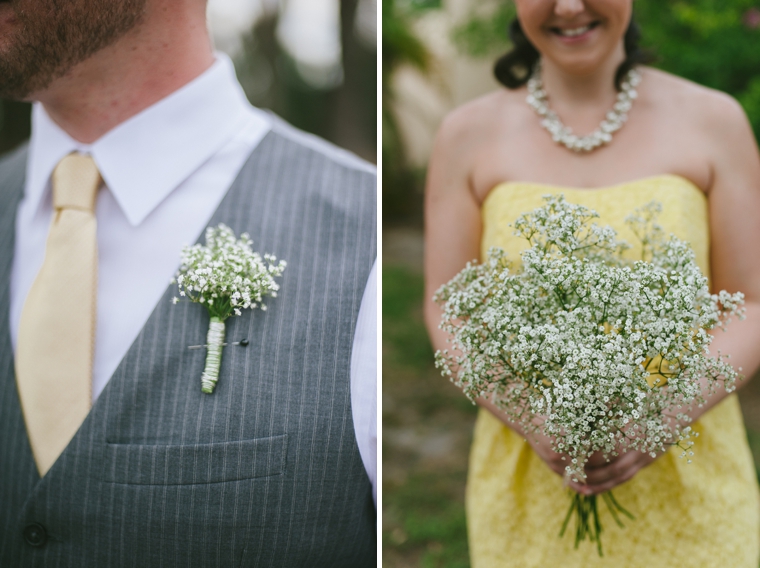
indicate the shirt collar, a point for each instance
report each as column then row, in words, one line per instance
column 143, row 159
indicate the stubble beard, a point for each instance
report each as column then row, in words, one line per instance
column 51, row 36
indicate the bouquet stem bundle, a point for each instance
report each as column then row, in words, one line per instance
column 586, row 512
column 214, row 346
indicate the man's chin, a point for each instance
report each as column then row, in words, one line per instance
column 16, row 86
column 22, row 76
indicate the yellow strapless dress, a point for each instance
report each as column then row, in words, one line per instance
column 705, row 514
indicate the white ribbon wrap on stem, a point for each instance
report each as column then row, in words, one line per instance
column 214, row 341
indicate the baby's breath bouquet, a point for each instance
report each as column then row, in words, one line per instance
column 226, row 276
column 600, row 353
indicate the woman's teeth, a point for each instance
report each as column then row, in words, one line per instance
column 574, row 32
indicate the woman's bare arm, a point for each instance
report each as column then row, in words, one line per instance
column 452, row 238
column 452, row 215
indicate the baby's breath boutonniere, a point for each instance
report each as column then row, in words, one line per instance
column 226, row 276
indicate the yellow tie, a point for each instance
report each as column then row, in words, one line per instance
column 56, row 335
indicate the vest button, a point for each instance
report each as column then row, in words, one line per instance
column 35, row 535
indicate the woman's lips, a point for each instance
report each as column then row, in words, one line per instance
column 573, row 35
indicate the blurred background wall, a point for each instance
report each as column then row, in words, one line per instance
column 313, row 62
column 438, row 54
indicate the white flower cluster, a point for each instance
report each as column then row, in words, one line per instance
column 226, row 274
column 600, row 353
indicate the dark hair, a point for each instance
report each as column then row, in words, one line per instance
column 515, row 67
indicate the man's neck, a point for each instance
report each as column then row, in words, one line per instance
column 166, row 51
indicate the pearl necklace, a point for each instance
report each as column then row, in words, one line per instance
column 537, row 99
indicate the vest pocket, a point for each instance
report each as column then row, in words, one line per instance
column 192, row 464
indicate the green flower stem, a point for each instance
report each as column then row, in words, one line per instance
column 587, row 521
column 214, row 341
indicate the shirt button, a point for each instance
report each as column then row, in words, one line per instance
column 35, row 535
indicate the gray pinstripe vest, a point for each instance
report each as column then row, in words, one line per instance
column 264, row 472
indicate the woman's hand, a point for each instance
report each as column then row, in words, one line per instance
column 602, row 475
column 542, row 445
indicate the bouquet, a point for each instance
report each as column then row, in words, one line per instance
column 598, row 352
column 227, row 276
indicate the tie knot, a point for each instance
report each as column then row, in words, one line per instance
column 76, row 180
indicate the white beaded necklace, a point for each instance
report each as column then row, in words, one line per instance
column 537, row 99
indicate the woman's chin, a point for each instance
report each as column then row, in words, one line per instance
column 579, row 65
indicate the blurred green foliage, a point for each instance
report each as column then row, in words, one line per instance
column 712, row 42
column 427, row 521
column 423, row 504
column 345, row 114
column 484, row 33
column 400, row 47
column 403, row 327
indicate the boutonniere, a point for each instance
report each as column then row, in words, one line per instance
column 226, row 276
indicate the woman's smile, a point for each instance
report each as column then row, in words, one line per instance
column 577, row 35
column 574, row 34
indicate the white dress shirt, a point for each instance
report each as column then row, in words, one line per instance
column 166, row 170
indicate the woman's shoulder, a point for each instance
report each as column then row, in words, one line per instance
column 712, row 123
column 467, row 135
column 477, row 118
column 698, row 103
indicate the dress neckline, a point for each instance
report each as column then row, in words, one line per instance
column 618, row 186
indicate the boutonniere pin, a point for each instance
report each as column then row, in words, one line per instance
column 226, row 276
